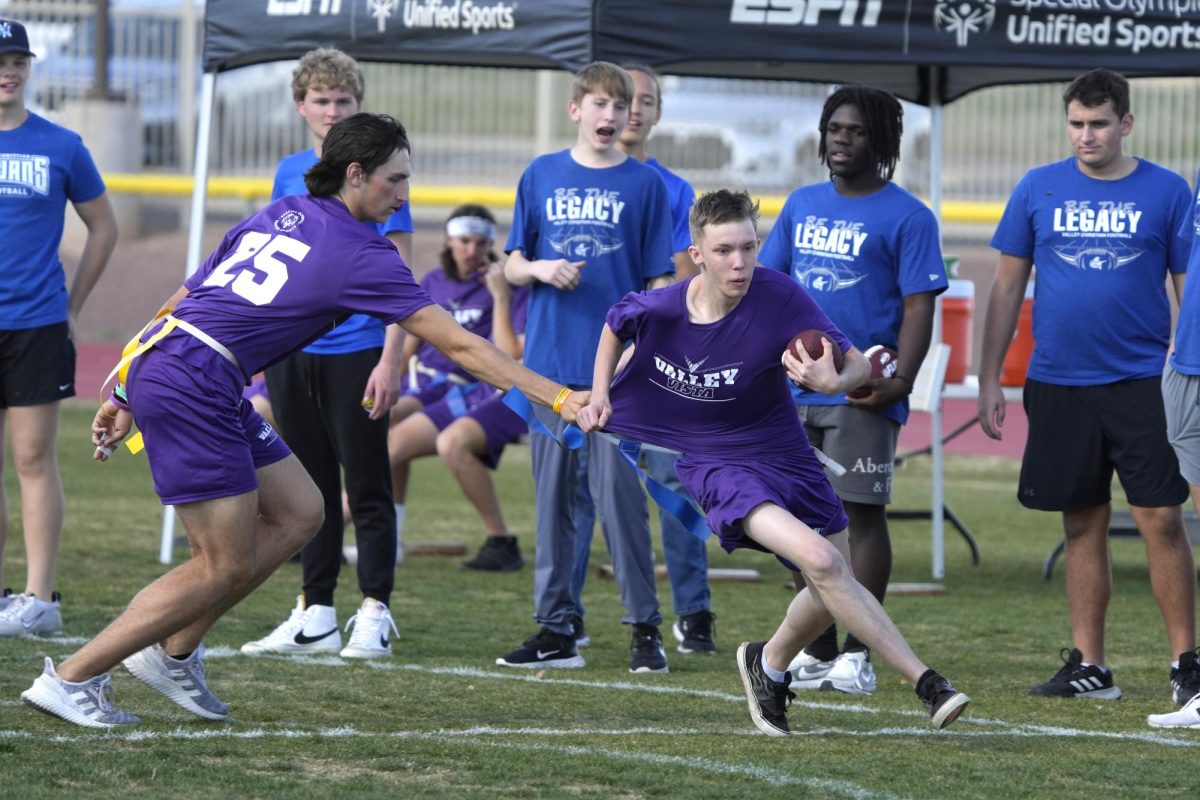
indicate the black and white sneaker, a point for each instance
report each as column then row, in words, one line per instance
column 943, row 702
column 1185, row 679
column 694, row 632
column 646, row 653
column 767, row 699
column 1077, row 680
column 578, row 633
column 545, row 649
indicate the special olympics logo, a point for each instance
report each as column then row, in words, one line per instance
column 288, row 221
column 382, row 10
column 964, row 17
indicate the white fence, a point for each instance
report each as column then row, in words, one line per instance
column 481, row 126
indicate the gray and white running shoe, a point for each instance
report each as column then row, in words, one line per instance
column 88, row 703
column 26, row 615
column 181, row 682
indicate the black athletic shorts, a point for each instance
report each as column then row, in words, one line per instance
column 37, row 365
column 1079, row 434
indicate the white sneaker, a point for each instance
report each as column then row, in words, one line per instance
column 88, row 703
column 181, row 682
column 370, row 637
column 852, row 673
column 307, row 630
column 1186, row 717
column 25, row 614
column 809, row 673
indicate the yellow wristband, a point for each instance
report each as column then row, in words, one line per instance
column 563, row 394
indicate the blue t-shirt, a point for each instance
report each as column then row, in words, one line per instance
column 1102, row 250
column 617, row 220
column 42, row 166
column 358, row 332
column 1186, row 357
column 680, row 195
column 858, row 257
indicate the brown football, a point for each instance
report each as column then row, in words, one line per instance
column 883, row 365
column 810, row 340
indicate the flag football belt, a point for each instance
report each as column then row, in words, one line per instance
column 135, row 347
column 436, row 376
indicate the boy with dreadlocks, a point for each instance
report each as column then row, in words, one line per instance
column 868, row 252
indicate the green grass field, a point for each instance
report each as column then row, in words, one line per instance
column 440, row 720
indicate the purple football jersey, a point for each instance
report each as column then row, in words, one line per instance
column 716, row 388
column 469, row 302
column 286, row 275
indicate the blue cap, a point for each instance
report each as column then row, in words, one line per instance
column 13, row 38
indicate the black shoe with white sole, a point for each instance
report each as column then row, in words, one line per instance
column 941, row 699
column 768, row 699
column 545, row 649
column 1075, row 679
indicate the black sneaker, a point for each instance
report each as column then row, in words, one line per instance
column 768, row 700
column 544, row 649
column 646, row 652
column 941, row 699
column 578, row 633
column 694, row 632
column 1185, row 679
column 498, row 554
column 1076, row 680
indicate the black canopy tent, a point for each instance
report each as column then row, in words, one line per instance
column 926, row 51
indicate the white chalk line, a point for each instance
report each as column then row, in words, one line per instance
column 494, row 737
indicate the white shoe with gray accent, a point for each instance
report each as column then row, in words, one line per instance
column 852, row 673
column 370, row 638
column 1186, row 717
column 809, row 672
column 88, row 703
column 25, row 615
column 181, row 682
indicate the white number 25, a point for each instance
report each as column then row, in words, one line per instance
column 261, row 284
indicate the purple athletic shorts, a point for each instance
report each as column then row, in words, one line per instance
column 203, row 439
column 484, row 404
column 728, row 490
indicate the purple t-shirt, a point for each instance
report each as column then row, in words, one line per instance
column 286, row 275
column 717, row 388
column 470, row 303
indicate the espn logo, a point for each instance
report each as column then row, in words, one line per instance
column 804, row 12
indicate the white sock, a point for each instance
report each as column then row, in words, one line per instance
column 773, row 674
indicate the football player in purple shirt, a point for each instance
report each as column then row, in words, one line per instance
column 279, row 279
column 705, row 377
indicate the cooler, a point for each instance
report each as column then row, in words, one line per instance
column 1016, row 361
column 958, row 304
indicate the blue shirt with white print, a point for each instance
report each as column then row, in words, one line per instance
column 859, row 257
column 1102, row 250
column 618, row 220
column 42, row 166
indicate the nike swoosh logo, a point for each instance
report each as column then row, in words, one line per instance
column 541, row 654
column 64, row 387
column 302, row 639
column 383, row 642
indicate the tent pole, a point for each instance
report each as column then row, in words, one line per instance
column 195, row 240
column 937, row 498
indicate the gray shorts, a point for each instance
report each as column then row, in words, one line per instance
column 1181, row 397
column 861, row 441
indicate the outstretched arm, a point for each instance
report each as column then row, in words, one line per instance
column 596, row 413
column 487, row 362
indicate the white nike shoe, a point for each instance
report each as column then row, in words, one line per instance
column 852, row 673
column 26, row 615
column 308, row 630
column 808, row 672
column 1186, row 717
column 370, row 637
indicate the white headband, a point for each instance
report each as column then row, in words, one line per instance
column 471, row 226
